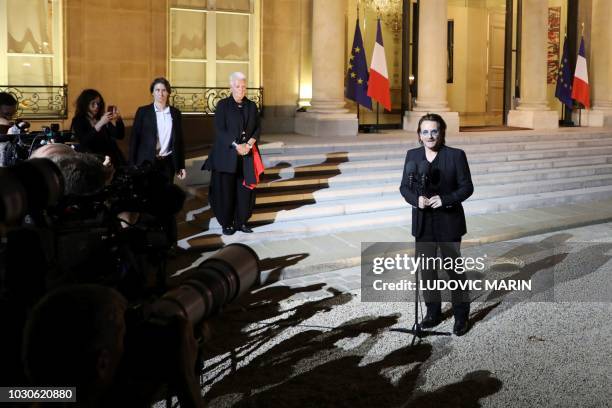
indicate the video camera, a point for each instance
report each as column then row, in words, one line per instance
column 83, row 232
column 22, row 142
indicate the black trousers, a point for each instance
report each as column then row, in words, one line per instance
column 231, row 202
column 165, row 165
column 429, row 245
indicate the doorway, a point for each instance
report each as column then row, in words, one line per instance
column 494, row 99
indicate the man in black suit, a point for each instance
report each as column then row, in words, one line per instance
column 237, row 129
column 157, row 133
column 438, row 220
column 157, row 137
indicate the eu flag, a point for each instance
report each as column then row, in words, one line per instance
column 563, row 92
column 357, row 75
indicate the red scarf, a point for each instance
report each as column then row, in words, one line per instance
column 258, row 168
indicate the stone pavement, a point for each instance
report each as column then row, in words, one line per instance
column 312, row 342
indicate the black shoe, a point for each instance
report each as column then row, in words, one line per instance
column 430, row 320
column 228, row 230
column 460, row 327
column 244, row 228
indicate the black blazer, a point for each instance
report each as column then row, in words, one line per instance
column 451, row 180
column 144, row 137
column 102, row 142
column 228, row 128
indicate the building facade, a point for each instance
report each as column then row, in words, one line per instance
column 476, row 62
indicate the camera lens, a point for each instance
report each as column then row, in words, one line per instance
column 219, row 280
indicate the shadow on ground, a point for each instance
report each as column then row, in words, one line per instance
column 196, row 215
column 319, row 366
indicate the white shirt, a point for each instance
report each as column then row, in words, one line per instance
column 164, row 130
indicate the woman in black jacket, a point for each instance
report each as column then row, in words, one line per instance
column 96, row 129
column 237, row 130
column 438, row 220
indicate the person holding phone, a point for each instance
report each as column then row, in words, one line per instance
column 96, row 128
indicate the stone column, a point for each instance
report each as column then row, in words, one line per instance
column 432, row 88
column 600, row 75
column 327, row 115
column 533, row 111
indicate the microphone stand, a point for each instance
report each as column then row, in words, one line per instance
column 417, row 331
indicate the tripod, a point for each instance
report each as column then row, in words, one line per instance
column 417, row 331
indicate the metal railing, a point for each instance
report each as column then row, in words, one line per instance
column 39, row 101
column 204, row 99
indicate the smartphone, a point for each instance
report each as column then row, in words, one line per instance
column 111, row 109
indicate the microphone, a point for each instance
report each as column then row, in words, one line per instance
column 410, row 169
column 423, row 171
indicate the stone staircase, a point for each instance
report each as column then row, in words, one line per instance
column 317, row 188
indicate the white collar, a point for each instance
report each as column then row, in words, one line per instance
column 165, row 110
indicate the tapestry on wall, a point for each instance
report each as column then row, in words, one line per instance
column 554, row 36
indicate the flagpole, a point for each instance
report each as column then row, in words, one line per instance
column 377, row 128
column 358, row 1
column 580, row 104
column 377, row 104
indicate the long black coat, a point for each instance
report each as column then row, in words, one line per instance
column 452, row 182
column 228, row 128
column 144, row 137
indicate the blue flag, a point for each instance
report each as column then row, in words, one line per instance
column 563, row 92
column 357, row 75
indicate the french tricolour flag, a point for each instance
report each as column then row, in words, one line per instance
column 580, row 87
column 378, row 86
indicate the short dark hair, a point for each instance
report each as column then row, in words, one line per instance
column 434, row 117
column 161, row 80
column 83, row 173
column 83, row 101
column 7, row 99
column 66, row 331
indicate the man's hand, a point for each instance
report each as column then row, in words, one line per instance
column 242, row 149
column 435, row 202
column 423, row 202
column 181, row 174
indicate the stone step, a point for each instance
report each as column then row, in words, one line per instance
column 487, row 186
column 481, row 175
column 350, row 223
column 477, row 157
column 394, row 139
column 374, row 201
column 331, row 215
column 297, row 229
column 588, row 141
column 276, row 174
